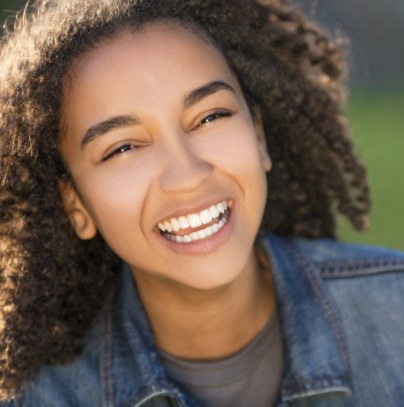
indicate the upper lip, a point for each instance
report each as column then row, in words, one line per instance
column 189, row 209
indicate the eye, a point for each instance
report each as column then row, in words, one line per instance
column 211, row 117
column 123, row 148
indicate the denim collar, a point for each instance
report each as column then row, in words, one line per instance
column 315, row 356
column 131, row 373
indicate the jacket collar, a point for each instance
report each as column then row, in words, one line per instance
column 314, row 350
column 315, row 354
column 131, row 372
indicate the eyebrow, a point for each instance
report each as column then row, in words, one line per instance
column 197, row 94
column 107, row 125
column 126, row 120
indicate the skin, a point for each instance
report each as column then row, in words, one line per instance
column 206, row 300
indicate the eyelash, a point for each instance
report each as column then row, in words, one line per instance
column 206, row 120
column 121, row 149
column 214, row 116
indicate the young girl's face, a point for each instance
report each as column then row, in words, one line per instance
column 167, row 162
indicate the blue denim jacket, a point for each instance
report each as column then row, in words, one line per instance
column 341, row 313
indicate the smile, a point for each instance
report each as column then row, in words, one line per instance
column 196, row 226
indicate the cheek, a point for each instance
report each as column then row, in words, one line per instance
column 243, row 162
column 237, row 153
column 116, row 199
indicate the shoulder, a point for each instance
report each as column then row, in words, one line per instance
column 356, row 277
column 76, row 383
column 359, row 290
column 365, row 282
column 336, row 259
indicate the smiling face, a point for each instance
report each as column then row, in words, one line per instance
column 167, row 163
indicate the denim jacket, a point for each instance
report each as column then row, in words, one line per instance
column 341, row 310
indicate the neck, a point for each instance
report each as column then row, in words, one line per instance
column 208, row 324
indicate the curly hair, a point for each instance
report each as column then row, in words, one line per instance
column 53, row 283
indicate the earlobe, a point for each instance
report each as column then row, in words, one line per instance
column 76, row 212
column 262, row 144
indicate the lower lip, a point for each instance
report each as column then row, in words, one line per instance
column 202, row 246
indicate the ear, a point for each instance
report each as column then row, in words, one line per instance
column 262, row 143
column 76, row 212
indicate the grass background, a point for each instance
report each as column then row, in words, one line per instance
column 377, row 119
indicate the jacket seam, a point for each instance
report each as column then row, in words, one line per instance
column 153, row 391
column 106, row 355
column 353, row 268
column 326, row 384
column 329, row 312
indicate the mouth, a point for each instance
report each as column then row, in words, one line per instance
column 196, row 226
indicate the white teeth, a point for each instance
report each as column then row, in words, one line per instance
column 194, row 236
column 209, row 231
column 175, row 224
column 206, row 217
column 214, row 211
column 168, row 227
column 193, row 220
column 183, row 222
column 222, row 207
column 187, row 239
column 200, row 234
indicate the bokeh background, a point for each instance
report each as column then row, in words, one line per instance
column 373, row 35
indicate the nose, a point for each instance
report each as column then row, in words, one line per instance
column 183, row 170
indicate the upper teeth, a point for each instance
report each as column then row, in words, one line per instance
column 193, row 220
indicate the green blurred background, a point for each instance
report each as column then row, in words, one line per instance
column 377, row 117
column 373, row 34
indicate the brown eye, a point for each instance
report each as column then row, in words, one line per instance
column 215, row 115
column 120, row 150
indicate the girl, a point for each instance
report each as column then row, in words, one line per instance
column 170, row 177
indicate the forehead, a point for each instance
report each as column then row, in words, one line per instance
column 161, row 46
column 149, row 69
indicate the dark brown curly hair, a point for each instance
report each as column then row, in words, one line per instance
column 51, row 282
